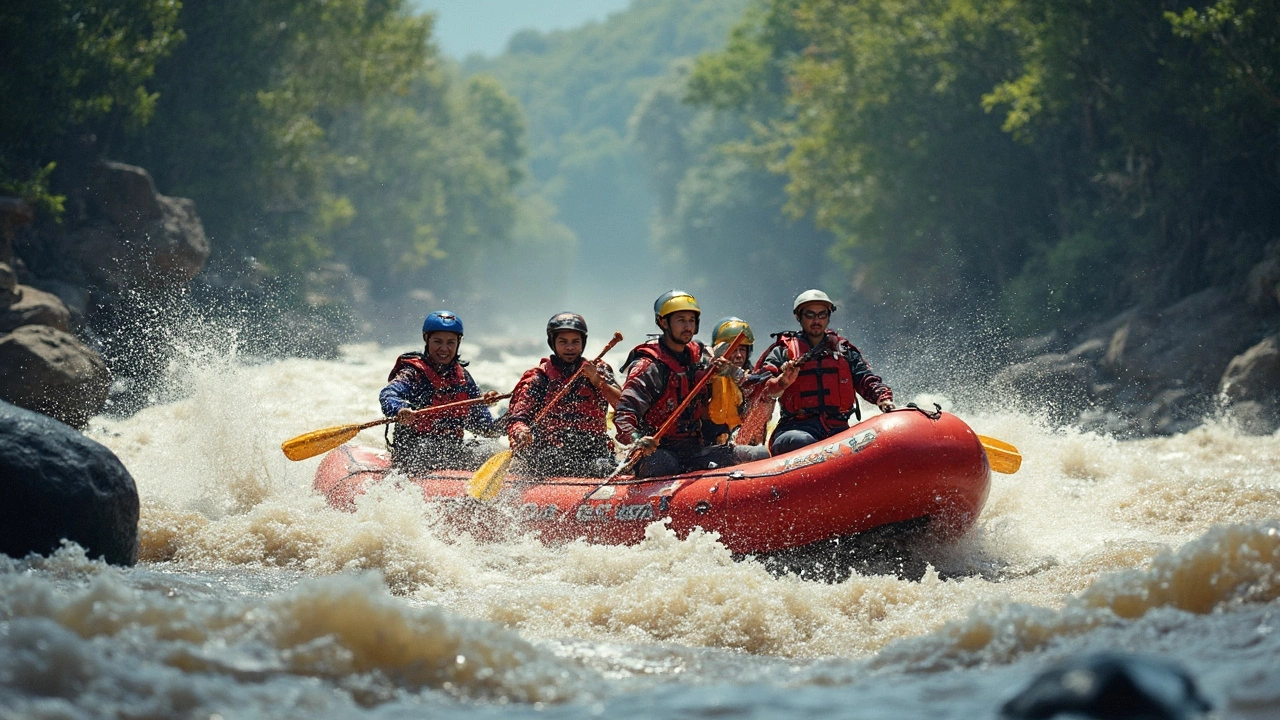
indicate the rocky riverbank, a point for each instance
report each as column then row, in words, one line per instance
column 1161, row 371
column 67, row 283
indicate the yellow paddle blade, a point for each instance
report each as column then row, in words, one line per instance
column 1003, row 457
column 487, row 481
column 313, row 443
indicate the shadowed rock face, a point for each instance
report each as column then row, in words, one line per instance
column 56, row 484
column 50, row 371
column 1251, row 387
column 1156, row 371
column 1109, row 686
column 126, row 236
column 34, row 307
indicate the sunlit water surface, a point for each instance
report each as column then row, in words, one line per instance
column 254, row 599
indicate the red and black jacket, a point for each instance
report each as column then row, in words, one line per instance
column 658, row 380
column 581, row 410
column 827, row 386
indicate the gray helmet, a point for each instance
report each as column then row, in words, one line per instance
column 809, row 296
column 565, row 321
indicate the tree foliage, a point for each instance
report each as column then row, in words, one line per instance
column 303, row 130
column 579, row 88
column 68, row 62
column 719, row 207
column 1062, row 158
column 310, row 130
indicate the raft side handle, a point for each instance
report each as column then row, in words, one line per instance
column 936, row 414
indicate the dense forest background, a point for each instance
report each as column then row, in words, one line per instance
column 1032, row 164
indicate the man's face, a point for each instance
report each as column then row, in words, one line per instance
column 442, row 347
column 568, row 346
column 814, row 317
column 681, row 325
column 738, row 356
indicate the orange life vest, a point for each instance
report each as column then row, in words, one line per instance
column 582, row 409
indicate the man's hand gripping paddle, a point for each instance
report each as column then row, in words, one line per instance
column 486, row 483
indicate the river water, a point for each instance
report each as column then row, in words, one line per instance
column 254, row 599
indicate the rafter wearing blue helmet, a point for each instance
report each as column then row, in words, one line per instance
column 436, row 376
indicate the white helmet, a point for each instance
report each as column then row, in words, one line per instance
column 809, row 296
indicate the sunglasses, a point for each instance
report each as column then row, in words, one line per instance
column 811, row 315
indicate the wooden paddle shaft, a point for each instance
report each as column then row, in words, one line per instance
column 657, row 437
column 671, row 421
column 617, row 338
column 434, row 408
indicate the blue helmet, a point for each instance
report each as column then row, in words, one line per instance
column 442, row 321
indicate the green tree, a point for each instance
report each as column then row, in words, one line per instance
column 245, row 105
column 1155, row 122
column 1063, row 158
column 579, row 88
column 719, row 207
column 428, row 180
column 67, row 63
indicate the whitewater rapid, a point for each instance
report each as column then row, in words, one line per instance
column 253, row 598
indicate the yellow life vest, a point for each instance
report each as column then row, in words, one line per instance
column 726, row 398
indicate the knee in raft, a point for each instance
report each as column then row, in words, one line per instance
column 791, row 440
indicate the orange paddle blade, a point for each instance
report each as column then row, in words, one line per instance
column 756, row 423
column 313, row 443
column 487, row 481
column 1003, row 457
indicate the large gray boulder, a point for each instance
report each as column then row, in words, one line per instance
column 49, row 371
column 1187, row 344
column 1251, row 387
column 1060, row 383
column 148, row 241
column 1110, row 686
column 58, row 484
column 120, row 237
column 35, row 307
column 8, row 285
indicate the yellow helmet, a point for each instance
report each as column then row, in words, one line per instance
column 675, row 301
column 728, row 329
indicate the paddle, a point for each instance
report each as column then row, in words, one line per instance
column 671, row 421
column 756, row 419
column 1003, row 457
column 317, row 441
column 486, row 482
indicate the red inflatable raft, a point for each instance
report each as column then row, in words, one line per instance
column 896, row 467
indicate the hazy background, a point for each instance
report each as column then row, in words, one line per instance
column 484, row 26
column 976, row 185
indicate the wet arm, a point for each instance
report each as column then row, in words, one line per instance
column 403, row 392
column 608, row 387
column 868, row 384
column 637, row 395
column 479, row 420
column 525, row 401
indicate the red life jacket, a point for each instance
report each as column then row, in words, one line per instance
column 582, row 409
column 680, row 382
column 446, row 388
column 824, row 386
